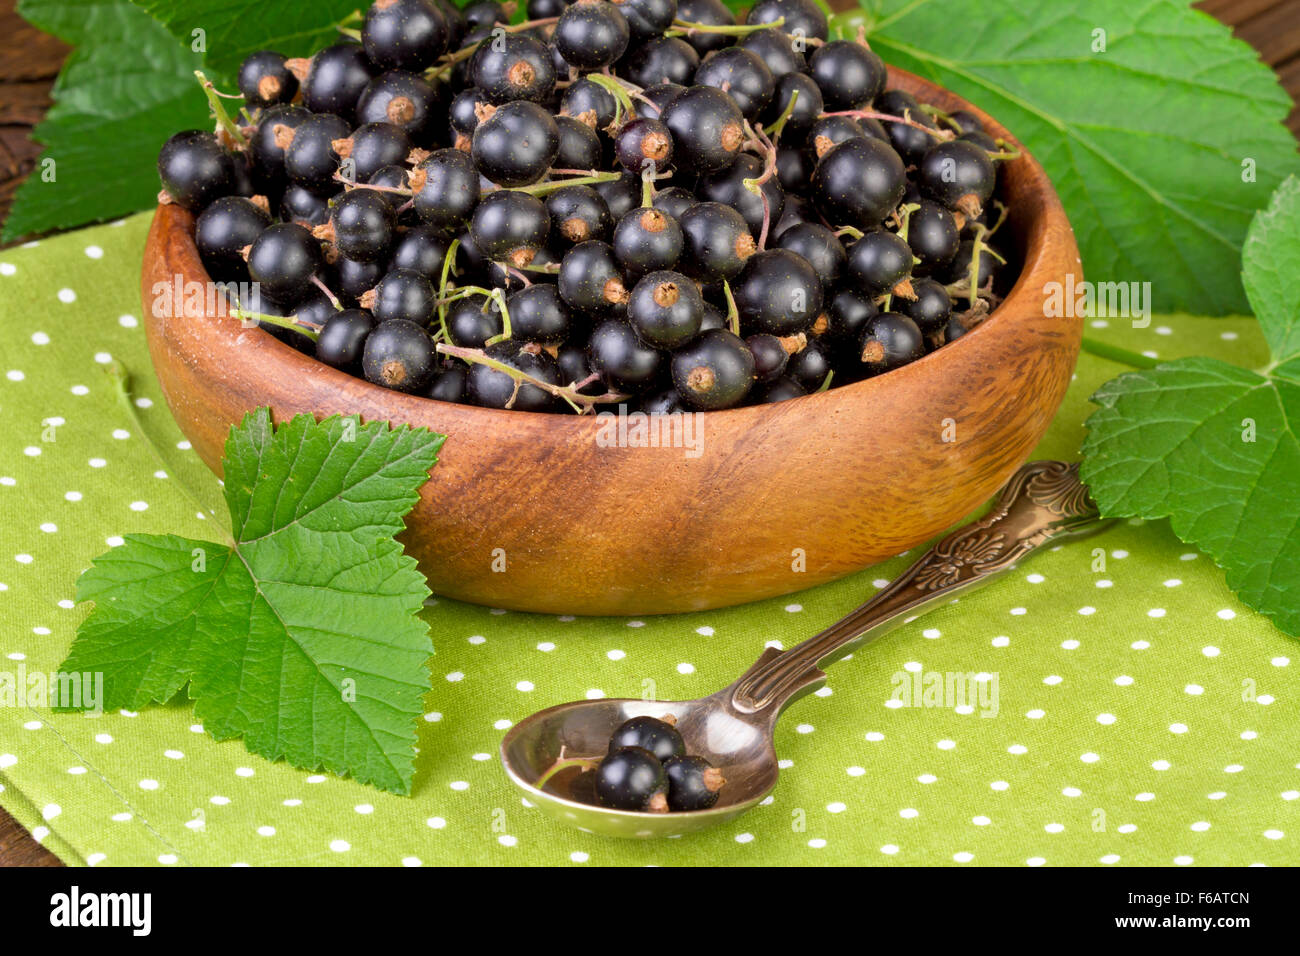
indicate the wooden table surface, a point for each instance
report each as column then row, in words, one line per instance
column 29, row 61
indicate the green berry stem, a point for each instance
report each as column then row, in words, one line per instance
column 219, row 111
column 733, row 313
column 569, row 393
column 905, row 119
column 688, row 28
column 779, row 126
column 282, row 321
column 851, row 231
column 564, row 764
column 541, row 189
column 334, row 300
column 447, row 263
column 1116, row 354
column 353, row 184
column 351, row 33
column 619, row 91
column 826, row 382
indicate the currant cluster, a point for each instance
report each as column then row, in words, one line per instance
column 647, row 769
column 616, row 201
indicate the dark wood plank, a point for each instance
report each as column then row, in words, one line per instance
column 1239, row 11
column 1275, row 33
column 17, row 848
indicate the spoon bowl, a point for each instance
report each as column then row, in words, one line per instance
column 733, row 728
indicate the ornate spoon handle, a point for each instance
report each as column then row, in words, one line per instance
column 1043, row 501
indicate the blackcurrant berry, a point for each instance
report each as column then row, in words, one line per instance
column 591, row 34
column 849, row 312
column 810, row 366
column 880, row 262
column 890, row 341
column 659, row 737
column 781, row 389
column 483, row 14
column 728, row 187
column 660, row 60
column 580, row 145
column 808, row 104
column 538, row 314
column 265, row 80
column 448, row 190
column 667, row 402
column 290, row 337
column 803, row 18
column 981, row 139
column 449, row 384
column 718, row 241
column 778, row 292
column 966, row 121
column 421, row 249
column 517, row 144
column 472, row 321
column 589, row 102
column 693, row 782
column 271, row 137
column 647, row 240
column 514, row 67
column 827, row 132
column 491, row 388
column 336, row 78
column 399, row 355
column 958, row 174
column 404, row 34
column 794, row 167
column 545, row 9
column 372, row 147
column 195, row 169
column 342, row 339
column 954, row 330
column 283, row 260
column 621, row 195
column 770, row 356
column 959, row 268
column 575, row 367
column 578, row 213
column 850, row 75
column 463, row 116
column 363, row 225
column 931, row 307
column 457, row 26
column 404, row 99
column 932, row 234
column 665, row 309
column 225, row 227
column 405, row 295
column 910, row 142
column 632, row 779
column 742, row 74
column 647, row 18
column 708, row 129
column 817, row 244
column 644, row 146
column 510, row 226
column 714, row 371
column 591, row 280
column 311, row 159
column 775, row 48
column 355, row 279
column 650, row 104
column 299, row 204
column 711, row 12
column 623, row 361
column 674, row 201
column 858, row 183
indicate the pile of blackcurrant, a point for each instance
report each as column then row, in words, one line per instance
column 646, row 769
column 636, row 202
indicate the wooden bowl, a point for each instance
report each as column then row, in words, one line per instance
column 538, row 512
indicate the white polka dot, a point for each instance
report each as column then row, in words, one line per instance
column 1160, row 765
column 31, row 451
column 1126, row 828
column 1145, row 797
column 524, row 685
column 546, row 647
column 1086, row 611
column 981, row 821
column 266, row 831
column 595, row 693
column 1140, row 645
column 15, row 375
column 636, row 623
column 1217, row 795
column 794, row 608
column 127, row 321
column 999, row 785
column 435, row 823
column 577, row 856
column 817, row 844
column 1054, row 827
column 1123, row 680
column 80, row 390
column 243, row 771
column 1104, row 583
column 1280, row 661
column 411, row 861
column 616, row 655
column 97, row 463
column 455, row 676
column 1194, row 690
column 49, row 527
column 148, row 784
column 1274, row 834
column 1017, row 749
column 931, row 633
column 835, row 807
column 167, row 859
column 1226, row 614
column 946, row 744
column 340, row 846
column 1233, row 768
column 7, row 268
column 139, row 506
column 855, row 771
column 805, row 728
column 685, row 668
column 458, row 785
column 1036, row 714
column 1106, row 719
column 40, row 338
column 963, row 857
column 1001, row 641
column 704, row 631
column 1017, row 611
column 1200, row 826
column 1183, row 860
column 908, row 813
column 121, row 817
column 1071, row 792
column 67, row 296
column 1264, row 699
column 173, row 755
column 889, row 849
column 1156, row 612
column 926, row 778
column 874, row 736
column 364, row 808
column 94, row 252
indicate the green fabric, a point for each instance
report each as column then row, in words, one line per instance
column 1079, row 766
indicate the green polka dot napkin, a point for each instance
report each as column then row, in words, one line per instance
column 1143, row 716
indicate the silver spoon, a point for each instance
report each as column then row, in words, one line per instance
column 733, row 728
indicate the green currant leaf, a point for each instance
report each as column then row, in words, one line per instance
column 300, row 635
column 1148, row 115
column 232, row 29
column 126, row 87
column 1214, row 447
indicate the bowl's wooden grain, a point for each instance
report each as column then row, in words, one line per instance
column 781, row 496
